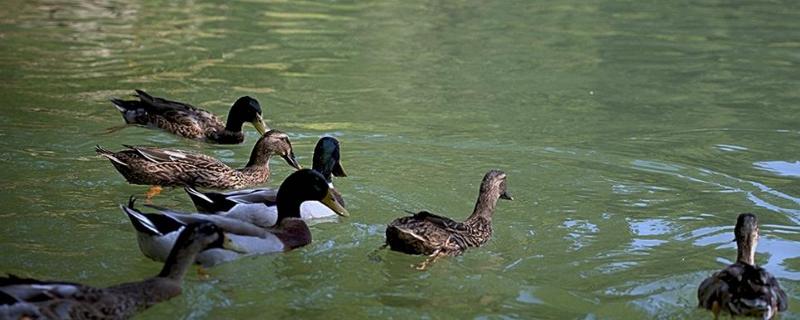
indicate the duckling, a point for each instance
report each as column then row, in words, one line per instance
column 191, row 122
column 428, row 234
column 289, row 232
column 167, row 167
column 259, row 204
column 743, row 288
column 22, row 298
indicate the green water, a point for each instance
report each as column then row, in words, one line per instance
column 632, row 132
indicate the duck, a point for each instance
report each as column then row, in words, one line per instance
column 425, row 233
column 26, row 298
column 244, row 204
column 191, row 122
column 743, row 288
column 247, row 237
column 171, row 167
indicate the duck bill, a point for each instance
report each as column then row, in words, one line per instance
column 337, row 170
column 291, row 160
column 337, row 207
column 260, row 126
column 506, row 195
column 228, row 244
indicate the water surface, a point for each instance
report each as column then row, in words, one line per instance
column 632, row 133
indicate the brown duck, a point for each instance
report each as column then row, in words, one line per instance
column 428, row 234
column 167, row 167
column 192, row 122
column 743, row 289
column 22, row 298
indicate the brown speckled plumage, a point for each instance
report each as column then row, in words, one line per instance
column 189, row 121
column 428, row 234
column 33, row 299
column 742, row 288
column 166, row 167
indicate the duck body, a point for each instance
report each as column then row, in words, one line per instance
column 286, row 233
column 65, row 300
column 425, row 233
column 23, row 298
column 428, row 234
column 169, row 167
column 256, row 206
column 260, row 205
column 189, row 121
column 743, row 288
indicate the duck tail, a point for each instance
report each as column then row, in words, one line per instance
column 131, row 109
column 199, row 199
column 108, row 154
column 144, row 96
column 139, row 220
column 149, row 223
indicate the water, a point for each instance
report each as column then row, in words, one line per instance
column 633, row 133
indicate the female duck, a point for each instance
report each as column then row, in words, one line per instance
column 167, row 167
column 260, row 205
column 743, row 289
column 189, row 121
column 427, row 234
column 289, row 232
column 22, row 298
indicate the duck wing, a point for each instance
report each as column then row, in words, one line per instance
column 422, row 233
column 440, row 221
column 180, row 157
column 218, row 202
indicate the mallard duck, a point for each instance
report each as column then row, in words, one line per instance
column 189, row 121
column 168, row 167
column 247, row 237
column 22, row 298
column 743, row 288
column 242, row 204
column 428, row 234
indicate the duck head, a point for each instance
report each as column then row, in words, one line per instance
column 273, row 142
column 746, row 232
column 327, row 159
column 494, row 182
column 305, row 185
column 246, row 109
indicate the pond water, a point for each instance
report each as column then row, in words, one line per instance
column 632, row 132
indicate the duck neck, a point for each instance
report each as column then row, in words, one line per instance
column 746, row 250
column 257, row 169
column 234, row 123
column 288, row 209
column 178, row 261
column 484, row 207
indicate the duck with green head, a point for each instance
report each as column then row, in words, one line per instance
column 22, row 298
column 169, row 167
column 258, row 206
column 289, row 231
column 192, row 122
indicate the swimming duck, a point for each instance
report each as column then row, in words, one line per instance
column 242, row 204
column 22, row 298
column 428, row 234
column 247, row 237
column 743, row 288
column 167, row 167
column 189, row 121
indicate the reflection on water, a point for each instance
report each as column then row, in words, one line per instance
column 781, row 168
column 633, row 134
